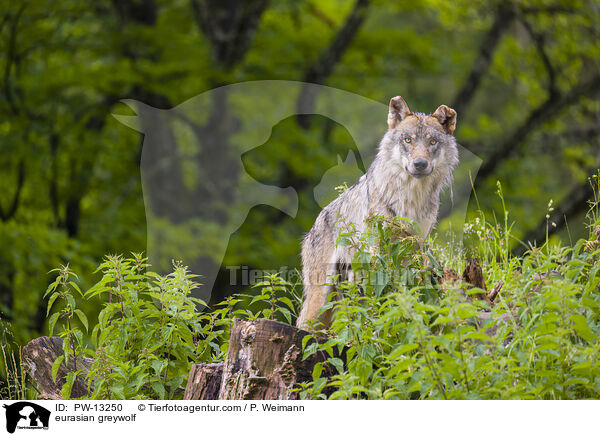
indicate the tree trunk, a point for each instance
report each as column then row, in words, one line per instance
column 264, row 361
column 204, row 382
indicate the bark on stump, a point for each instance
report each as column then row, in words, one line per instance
column 204, row 382
column 39, row 356
column 264, row 361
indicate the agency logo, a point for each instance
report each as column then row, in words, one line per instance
column 197, row 192
column 26, row 415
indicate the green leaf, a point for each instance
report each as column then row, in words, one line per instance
column 337, row 363
column 99, row 287
column 403, row 349
column 343, row 242
column 52, row 286
column 66, row 346
column 582, row 328
column 434, row 262
column 158, row 366
column 159, row 389
column 76, row 287
column 259, row 298
column 82, row 318
column 139, row 380
column 51, row 300
column 286, row 313
column 166, row 332
column 310, row 350
column 176, row 382
column 381, row 281
column 78, row 335
column 52, row 322
column 317, row 370
column 56, row 367
column 119, row 391
column 71, row 301
column 287, row 302
column 68, row 386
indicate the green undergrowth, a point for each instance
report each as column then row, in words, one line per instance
column 150, row 330
column 405, row 337
column 403, row 328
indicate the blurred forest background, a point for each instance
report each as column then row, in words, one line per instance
column 523, row 76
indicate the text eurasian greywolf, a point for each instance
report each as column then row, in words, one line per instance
column 414, row 162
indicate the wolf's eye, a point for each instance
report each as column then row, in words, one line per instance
column 433, row 142
column 408, row 140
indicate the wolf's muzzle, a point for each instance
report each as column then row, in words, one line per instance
column 420, row 168
column 420, row 164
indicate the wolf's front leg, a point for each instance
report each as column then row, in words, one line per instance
column 314, row 299
column 426, row 225
column 318, row 268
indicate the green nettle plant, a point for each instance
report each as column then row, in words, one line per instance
column 275, row 293
column 405, row 337
column 403, row 328
column 64, row 290
column 148, row 332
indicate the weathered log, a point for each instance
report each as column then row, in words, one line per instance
column 204, row 382
column 39, row 356
column 264, row 361
column 473, row 277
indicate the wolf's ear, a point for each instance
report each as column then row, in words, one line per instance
column 134, row 121
column 447, row 118
column 398, row 111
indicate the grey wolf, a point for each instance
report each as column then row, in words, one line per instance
column 414, row 162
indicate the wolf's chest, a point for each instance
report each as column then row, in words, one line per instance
column 408, row 197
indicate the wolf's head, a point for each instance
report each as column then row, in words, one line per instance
column 421, row 144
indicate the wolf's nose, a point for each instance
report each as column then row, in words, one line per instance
column 420, row 164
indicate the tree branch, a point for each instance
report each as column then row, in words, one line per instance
column 15, row 201
column 503, row 18
column 318, row 13
column 547, row 110
column 574, row 203
column 540, row 45
column 10, row 58
column 506, row 147
column 534, row 10
column 321, row 69
column 144, row 12
column 54, row 177
column 229, row 26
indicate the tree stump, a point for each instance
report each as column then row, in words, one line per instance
column 264, row 361
column 204, row 382
column 39, row 356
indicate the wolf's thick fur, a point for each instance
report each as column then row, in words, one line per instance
column 414, row 162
